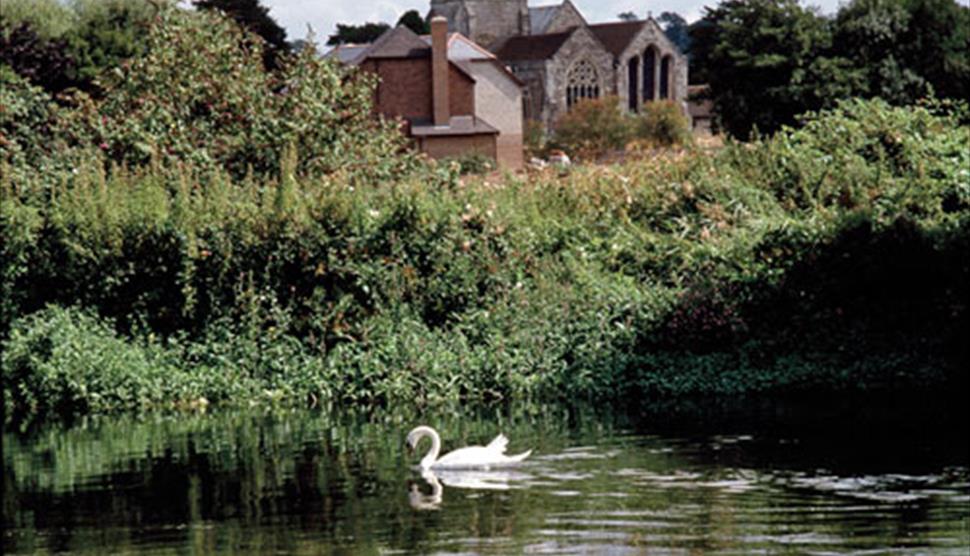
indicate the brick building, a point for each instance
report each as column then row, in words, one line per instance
column 456, row 97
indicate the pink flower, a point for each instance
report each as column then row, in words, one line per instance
column 104, row 146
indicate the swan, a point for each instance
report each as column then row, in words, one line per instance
column 492, row 455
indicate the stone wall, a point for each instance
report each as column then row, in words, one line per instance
column 581, row 45
column 653, row 35
column 484, row 21
column 567, row 17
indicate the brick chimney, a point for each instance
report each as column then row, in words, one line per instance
column 439, row 70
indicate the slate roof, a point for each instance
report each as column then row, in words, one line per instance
column 531, row 47
column 461, row 47
column 347, row 53
column 399, row 42
column 541, row 16
column 618, row 35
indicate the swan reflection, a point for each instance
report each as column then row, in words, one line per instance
column 454, row 478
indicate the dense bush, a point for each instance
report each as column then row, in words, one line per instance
column 832, row 257
column 592, row 128
column 198, row 99
column 663, row 123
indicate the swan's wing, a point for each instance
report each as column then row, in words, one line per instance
column 499, row 444
column 472, row 456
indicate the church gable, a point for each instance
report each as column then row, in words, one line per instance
column 652, row 34
column 564, row 17
column 581, row 69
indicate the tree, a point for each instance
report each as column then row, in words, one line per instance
column 906, row 48
column 105, row 34
column 937, row 42
column 676, row 29
column 254, row 17
column 627, row 16
column 767, row 61
column 357, row 34
column 413, row 21
column 45, row 63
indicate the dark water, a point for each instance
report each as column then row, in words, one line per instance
column 851, row 476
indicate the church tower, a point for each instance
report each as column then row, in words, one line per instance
column 484, row 21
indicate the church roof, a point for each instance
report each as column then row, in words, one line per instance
column 541, row 16
column 531, row 47
column 618, row 35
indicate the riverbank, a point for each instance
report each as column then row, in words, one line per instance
column 831, row 258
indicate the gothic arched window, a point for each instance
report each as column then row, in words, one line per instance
column 582, row 82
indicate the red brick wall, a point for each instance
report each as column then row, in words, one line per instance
column 458, row 145
column 405, row 88
column 462, row 91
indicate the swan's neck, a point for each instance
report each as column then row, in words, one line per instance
column 428, row 460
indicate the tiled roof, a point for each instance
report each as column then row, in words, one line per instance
column 618, row 35
column 531, row 47
column 399, row 42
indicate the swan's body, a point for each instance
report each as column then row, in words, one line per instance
column 471, row 457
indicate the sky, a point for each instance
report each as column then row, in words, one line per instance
column 323, row 15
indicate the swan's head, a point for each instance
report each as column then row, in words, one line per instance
column 415, row 436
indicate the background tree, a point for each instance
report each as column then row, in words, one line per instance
column 43, row 62
column 627, row 16
column 357, row 34
column 676, row 29
column 768, row 61
column 105, row 34
column 413, row 21
column 88, row 38
column 907, row 48
column 254, row 17
column 703, row 38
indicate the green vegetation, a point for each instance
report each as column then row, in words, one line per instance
column 595, row 128
column 767, row 61
column 210, row 231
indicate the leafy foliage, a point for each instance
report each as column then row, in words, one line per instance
column 664, row 123
column 254, row 17
column 88, row 39
column 592, row 128
column 768, row 61
column 831, row 257
column 45, row 62
column 196, row 98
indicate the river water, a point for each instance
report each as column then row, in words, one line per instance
column 858, row 476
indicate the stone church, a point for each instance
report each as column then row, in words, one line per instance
column 562, row 59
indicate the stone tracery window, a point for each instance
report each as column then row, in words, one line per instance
column 582, row 82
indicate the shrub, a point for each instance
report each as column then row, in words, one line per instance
column 534, row 138
column 663, row 123
column 592, row 128
column 471, row 163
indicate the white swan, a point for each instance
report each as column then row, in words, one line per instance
column 471, row 457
